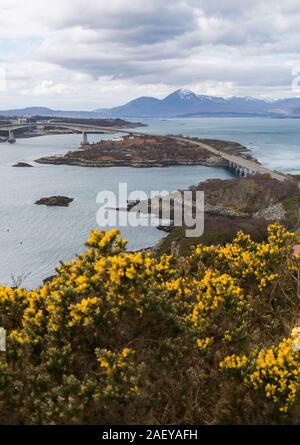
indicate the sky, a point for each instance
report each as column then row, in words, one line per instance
column 89, row 54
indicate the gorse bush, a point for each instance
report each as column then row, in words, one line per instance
column 274, row 371
column 119, row 337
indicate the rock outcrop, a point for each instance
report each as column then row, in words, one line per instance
column 22, row 164
column 60, row 201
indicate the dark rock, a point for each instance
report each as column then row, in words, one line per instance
column 132, row 204
column 22, row 164
column 167, row 229
column 61, row 201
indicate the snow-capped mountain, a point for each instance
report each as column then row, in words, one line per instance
column 181, row 103
column 185, row 103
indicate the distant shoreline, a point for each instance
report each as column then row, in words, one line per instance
column 55, row 129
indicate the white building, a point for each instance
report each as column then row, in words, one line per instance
column 22, row 120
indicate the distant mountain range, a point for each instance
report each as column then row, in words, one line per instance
column 180, row 103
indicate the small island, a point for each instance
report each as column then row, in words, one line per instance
column 146, row 151
column 22, row 164
column 52, row 201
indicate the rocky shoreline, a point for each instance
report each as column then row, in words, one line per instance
column 249, row 204
column 54, row 160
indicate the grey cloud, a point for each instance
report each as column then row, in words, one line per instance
column 175, row 42
column 135, row 22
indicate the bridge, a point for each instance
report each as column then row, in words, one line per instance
column 80, row 128
column 239, row 165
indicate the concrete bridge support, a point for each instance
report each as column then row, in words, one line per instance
column 11, row 136
column 239, row 170
column 84, row 140
column 243, row 172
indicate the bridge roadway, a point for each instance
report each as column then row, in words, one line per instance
column 76, row 127
column 239, row 164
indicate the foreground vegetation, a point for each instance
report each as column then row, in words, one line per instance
column 120, row 337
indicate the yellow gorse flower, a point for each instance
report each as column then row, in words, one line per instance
column 82, row 329
column 275, row 372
